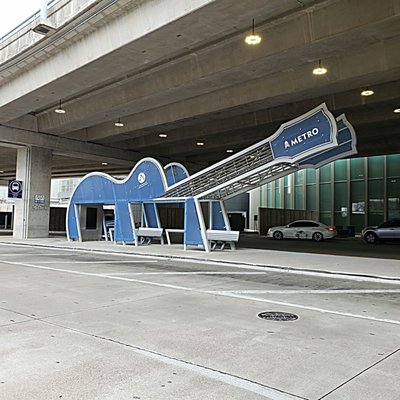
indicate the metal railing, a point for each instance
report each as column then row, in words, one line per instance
column 239, row 173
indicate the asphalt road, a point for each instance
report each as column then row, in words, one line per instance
column 85, row 325
column 338, row 246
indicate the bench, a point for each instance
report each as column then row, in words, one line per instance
column 168, row 231
column 146, row 234
column 219, row 238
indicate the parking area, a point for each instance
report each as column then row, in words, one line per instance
column 349, row 246
column 88, row 325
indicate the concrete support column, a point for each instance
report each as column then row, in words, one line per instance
column 32, row 212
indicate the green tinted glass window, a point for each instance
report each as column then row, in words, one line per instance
column 311, row 175
column 375, row 202
column 325, row 173
column 357, row 168
column 393, row 165
column 393, row 200
column 299, row 178
column 298, row 198
column 375, row 188
column 340, row 168
column 288, row 198
column 311, row 197
column 269, row 195
column 325, row 197
column 341, row 197
column 277, row 197
column 357, row 198
column 357, row 191
column 286, row 180
column 376, row 167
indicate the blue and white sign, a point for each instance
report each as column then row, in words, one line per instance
column 315, row 130
column 39, row 199
column 14, row 189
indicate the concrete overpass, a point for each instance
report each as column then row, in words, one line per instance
column 182, row 69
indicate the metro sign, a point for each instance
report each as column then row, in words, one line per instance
column 305, row 135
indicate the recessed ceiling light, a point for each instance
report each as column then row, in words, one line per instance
column 1, row 172
column 320, row 70
column 396, row 110
column 367, row 92
column 229, row 151
column 163, row 135
column 200, row 143
column 119, row 123
column 104, row 163
column 253, row 38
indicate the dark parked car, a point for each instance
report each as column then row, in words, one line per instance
column 389, row 230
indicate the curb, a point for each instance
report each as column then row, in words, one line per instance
column 274, row 268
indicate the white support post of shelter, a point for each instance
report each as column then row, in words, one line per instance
column 203, row 228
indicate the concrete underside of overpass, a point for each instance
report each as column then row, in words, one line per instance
column 182, row 68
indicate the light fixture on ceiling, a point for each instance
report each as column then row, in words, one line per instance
column 59, row 109
column 43, row 28
column 367, row 92
column 396, row 110
column 163, row 135
column 119, row 123
column 320, row 70
column 1, row 172
column 229, row 151
column 104, row 163
column 200, row 143
column 253, row 38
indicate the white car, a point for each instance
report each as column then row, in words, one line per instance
column 303, row 229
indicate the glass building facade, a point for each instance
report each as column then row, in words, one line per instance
column 355, row 192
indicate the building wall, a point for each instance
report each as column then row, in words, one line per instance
column 355, row 192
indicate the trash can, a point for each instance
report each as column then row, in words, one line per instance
column 351, row 231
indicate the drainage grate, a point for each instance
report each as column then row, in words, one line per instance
column 278, row 316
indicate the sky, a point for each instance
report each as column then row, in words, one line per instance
column 13, row 12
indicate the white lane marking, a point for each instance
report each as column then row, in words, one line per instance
column 311, row 291
column 118, row 278
column 99, row 262
column 187, row 273
column 311, row 308
column 218, row 293
column 32, row 254
column 394, row 280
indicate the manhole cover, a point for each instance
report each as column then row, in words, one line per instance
column 278, row 316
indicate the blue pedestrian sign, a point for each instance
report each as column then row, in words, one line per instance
column 14, row 189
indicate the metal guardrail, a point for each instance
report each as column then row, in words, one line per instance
column 25, row 23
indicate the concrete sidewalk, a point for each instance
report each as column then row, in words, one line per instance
column 359, row 268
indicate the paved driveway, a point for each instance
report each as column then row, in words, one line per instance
column 86, row 325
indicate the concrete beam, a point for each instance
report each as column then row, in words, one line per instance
column 349, row 102
column 217, row 67
column 50, row 74
column 67, row 146
column 381, row 63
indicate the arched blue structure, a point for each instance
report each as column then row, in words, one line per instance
column 146, row 181
column 311, row 140
column 175, row 172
